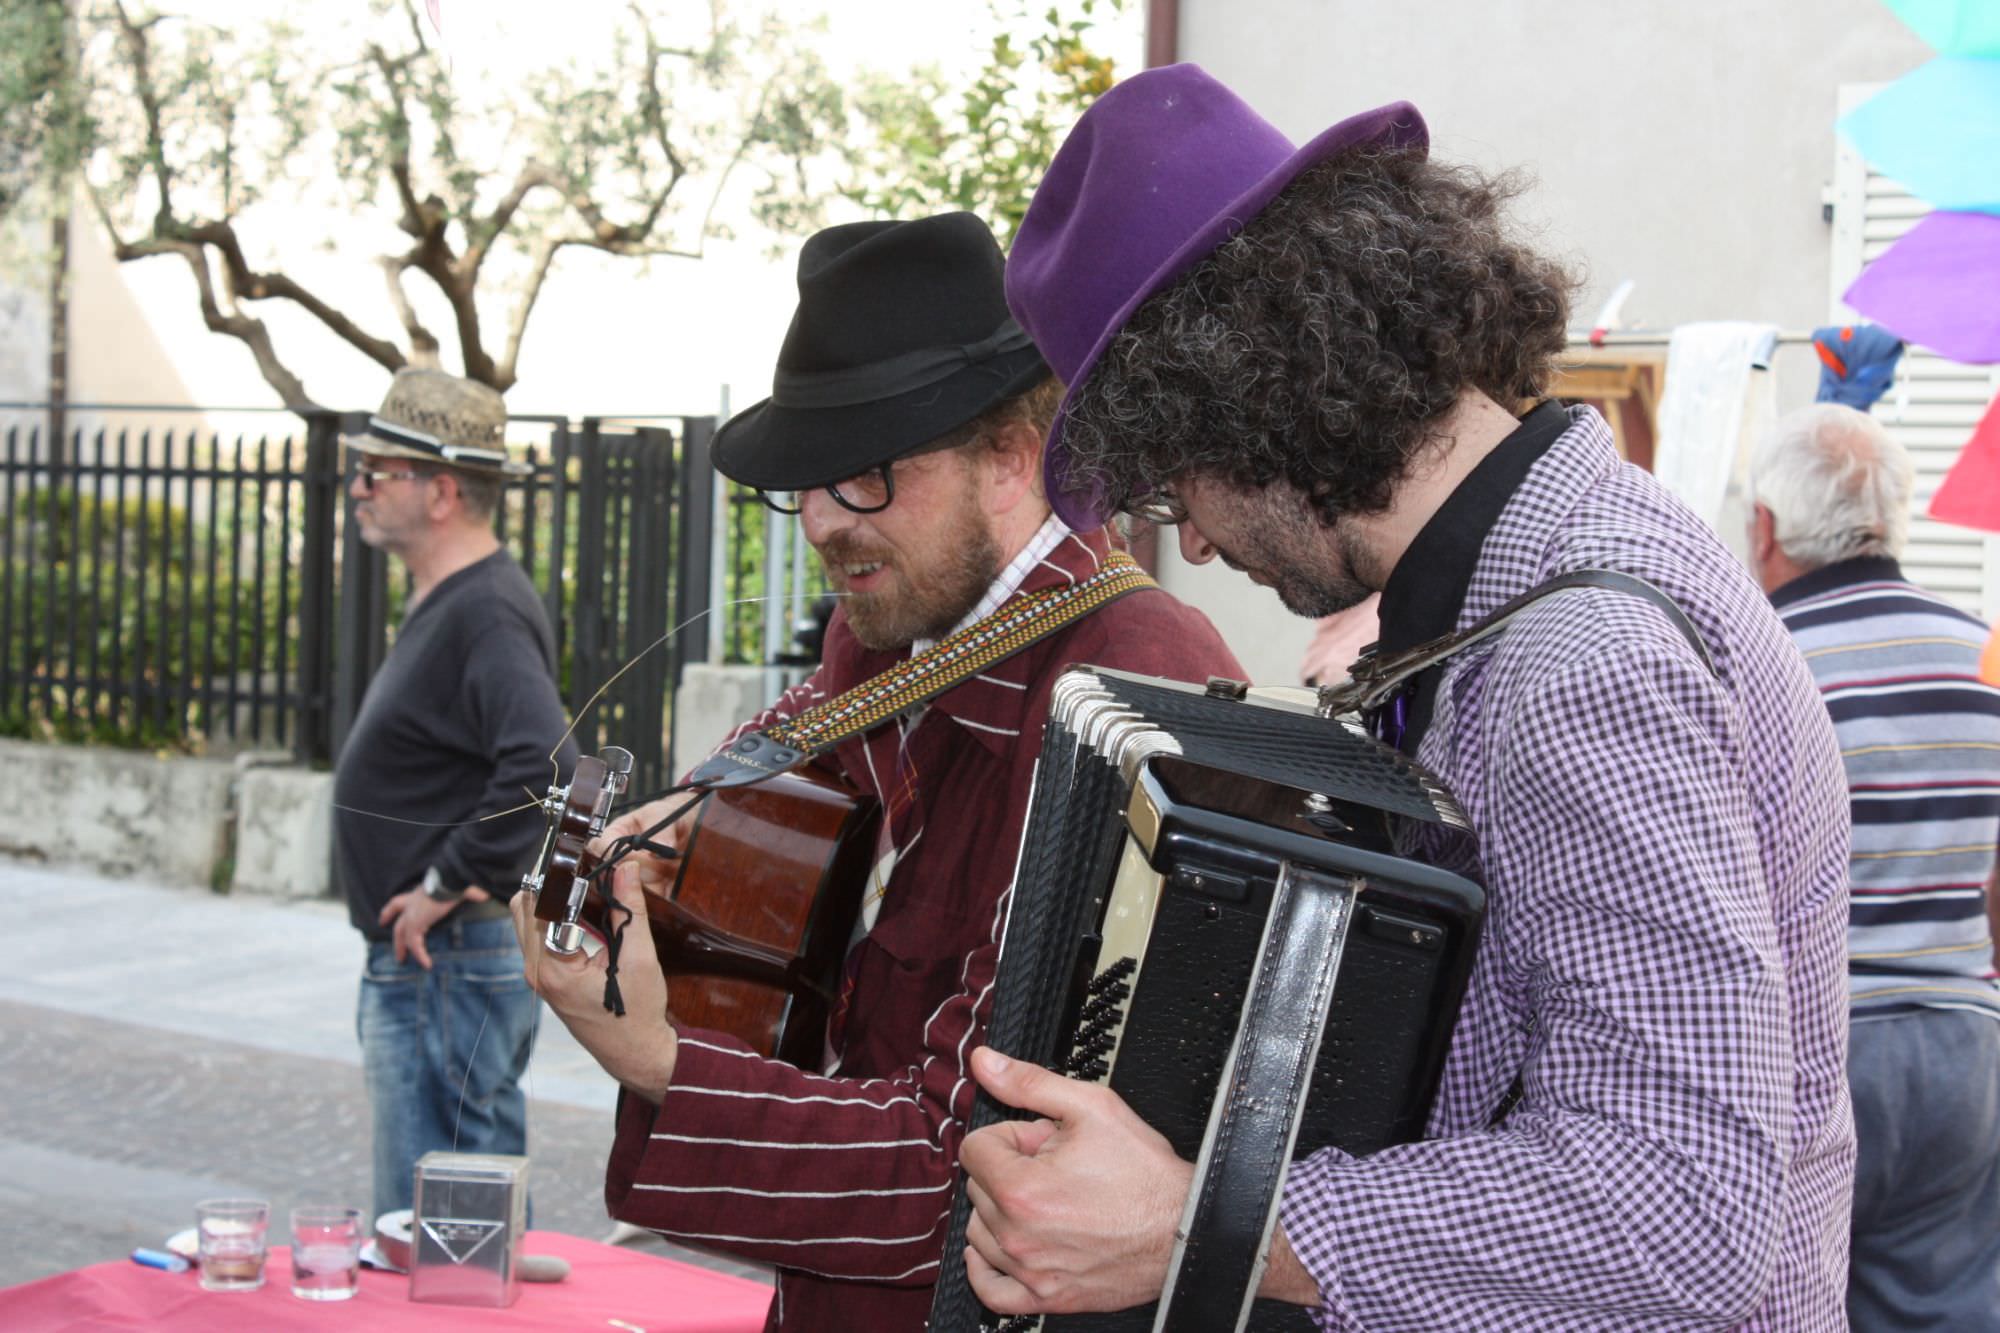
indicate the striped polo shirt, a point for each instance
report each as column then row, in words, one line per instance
column 1920, row 736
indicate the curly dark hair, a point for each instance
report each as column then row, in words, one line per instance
column 1320, row 343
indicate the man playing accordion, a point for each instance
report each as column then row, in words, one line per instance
column 1325, row 364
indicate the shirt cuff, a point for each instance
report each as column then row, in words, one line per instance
column 1308, row 1213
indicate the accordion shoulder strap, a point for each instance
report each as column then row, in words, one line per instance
column 1374, row 679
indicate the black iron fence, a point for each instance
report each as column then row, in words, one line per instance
column 167, row 582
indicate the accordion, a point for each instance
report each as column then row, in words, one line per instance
column 1215, row 912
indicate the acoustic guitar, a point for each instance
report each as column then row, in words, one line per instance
column 755, row 925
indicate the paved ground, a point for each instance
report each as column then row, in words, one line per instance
column 160, row 1045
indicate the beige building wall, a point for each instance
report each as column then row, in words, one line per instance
column 1684, row 144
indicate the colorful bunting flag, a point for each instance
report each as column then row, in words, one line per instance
column 1953, row 27
column 1936, row 287
column 1970, row 493
column 1937, row 131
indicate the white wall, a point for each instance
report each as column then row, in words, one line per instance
column 1682, row 143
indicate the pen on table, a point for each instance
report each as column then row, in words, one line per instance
column 172, row 1263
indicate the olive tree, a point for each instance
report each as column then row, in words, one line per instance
column 185, row 128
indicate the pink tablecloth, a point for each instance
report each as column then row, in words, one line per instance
column 606, row 1284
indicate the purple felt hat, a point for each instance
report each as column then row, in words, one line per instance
column 1160, row 171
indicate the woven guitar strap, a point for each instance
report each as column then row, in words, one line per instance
column 1019, row 623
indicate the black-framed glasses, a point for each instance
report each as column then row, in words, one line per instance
column 370, row 476
column 1161, row 507
column 867, row 492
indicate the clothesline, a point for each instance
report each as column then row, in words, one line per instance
column 1660, row 338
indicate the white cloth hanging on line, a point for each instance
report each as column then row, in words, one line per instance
column 1716, row 402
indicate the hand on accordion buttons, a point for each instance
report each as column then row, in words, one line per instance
column 1072, row 1212
column 637, row 1049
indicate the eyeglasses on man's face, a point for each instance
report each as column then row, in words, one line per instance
column 867, row 492
column 1161, row 506
column 369, row 477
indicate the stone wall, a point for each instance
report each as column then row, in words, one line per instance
column 242, row 824
column 256, row 824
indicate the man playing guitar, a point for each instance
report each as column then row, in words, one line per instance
column 905, row 429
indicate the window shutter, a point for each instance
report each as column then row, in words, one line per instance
column 1934, row 404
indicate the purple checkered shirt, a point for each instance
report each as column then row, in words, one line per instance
column 1665, row 857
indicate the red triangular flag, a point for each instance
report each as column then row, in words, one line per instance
column 1970, row 493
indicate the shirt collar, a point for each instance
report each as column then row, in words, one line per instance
column 1426, row 590
column 1839, row 574
column 993, row 706
column 1045, row 540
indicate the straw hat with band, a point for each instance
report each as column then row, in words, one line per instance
column 443, row 419
column 901, row 336
column 1157, row 174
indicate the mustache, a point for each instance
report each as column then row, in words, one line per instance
column 842, row 549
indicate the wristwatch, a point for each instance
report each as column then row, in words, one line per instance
column 435, row 890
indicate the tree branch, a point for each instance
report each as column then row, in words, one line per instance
column 517, row 327
column 251, row 332
column 248, row 284
column 533, row 176
column 137, row 51
column 423, row 343
column 413, row 220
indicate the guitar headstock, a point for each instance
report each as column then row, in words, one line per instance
column 577, row 814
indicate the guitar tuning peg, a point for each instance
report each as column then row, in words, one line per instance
column 618, row 767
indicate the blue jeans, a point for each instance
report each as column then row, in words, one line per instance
column 1927, row 1176
column 443, row 1050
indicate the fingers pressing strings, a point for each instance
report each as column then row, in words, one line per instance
column 620, row 848
column 600, row 882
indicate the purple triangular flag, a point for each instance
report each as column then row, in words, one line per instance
column 1936, row 287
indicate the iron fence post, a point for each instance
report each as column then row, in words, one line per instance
column 316, row 591
column 360, row 640
column 694, row 491
column 588, row 662
column 694, row 558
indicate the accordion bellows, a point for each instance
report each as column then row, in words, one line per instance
column 1217, row 912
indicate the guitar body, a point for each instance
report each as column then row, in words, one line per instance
column 781, row 863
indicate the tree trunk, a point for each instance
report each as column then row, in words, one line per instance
column 58, row 338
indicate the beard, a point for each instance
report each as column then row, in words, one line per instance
column 928, row 591
column 1287, row 546
column 1322, row 596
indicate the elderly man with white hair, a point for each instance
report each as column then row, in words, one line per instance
column 1920, row 736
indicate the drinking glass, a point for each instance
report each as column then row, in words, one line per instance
column 230, row 1238
column 326, row 1252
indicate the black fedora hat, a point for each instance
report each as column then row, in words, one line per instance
column 902, row 334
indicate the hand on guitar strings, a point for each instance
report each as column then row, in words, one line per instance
column 642, row 834
column 639, row 1048
column 1072, row 1212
